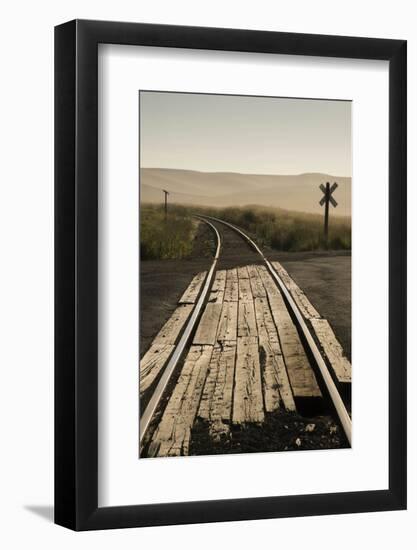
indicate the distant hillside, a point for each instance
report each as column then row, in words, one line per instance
column 300, row 192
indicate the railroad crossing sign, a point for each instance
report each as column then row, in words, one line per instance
column 326, row 199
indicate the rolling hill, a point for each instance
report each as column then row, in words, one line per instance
column 291, row 192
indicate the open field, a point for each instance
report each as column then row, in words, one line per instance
column 273, row 228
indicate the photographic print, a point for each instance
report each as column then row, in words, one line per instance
column 244, row 274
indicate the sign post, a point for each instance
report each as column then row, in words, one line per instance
column 166, row 203
column 326, row 199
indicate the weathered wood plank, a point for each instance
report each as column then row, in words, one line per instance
column 231, row 292
column 302, row 378
column 152, row 363
column 245, row 291
column 303, row 303
column 265, row 323
column 170, row 331
column 192, row 291
column 338, row 362
column 242, row 272
column 217, row 398
column 246, row 320
column 258, row 289
column 276, row 384
column 301, row 375
column 217, row 289
column 172, row 436
column 227, row 329
column 247, row 397
column 246, row 315
column 207, row 328
column 268, row 282
column 277, row 388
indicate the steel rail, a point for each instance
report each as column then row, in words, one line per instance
column 337, row 401
column 151, row 407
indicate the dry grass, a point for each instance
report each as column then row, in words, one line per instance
column 272, row 227
column 162, row 239
column 287, row 230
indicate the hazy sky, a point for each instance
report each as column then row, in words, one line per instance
column 214, row 133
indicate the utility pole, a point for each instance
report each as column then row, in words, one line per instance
column 166, row 204
column 326, row 199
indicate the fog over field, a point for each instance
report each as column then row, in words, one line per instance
column 290, row 192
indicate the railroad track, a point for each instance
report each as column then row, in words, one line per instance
column 223, row 318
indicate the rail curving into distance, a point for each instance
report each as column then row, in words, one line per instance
column 337, row 401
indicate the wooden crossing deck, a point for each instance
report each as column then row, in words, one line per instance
column 246, row 360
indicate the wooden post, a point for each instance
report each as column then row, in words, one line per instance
column 327, row 199
column 326, row 214
column 166, row 204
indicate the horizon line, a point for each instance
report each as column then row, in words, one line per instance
column 240, row 173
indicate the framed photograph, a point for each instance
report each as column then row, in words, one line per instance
column 230, row 253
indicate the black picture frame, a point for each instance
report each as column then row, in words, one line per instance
column 76, row 271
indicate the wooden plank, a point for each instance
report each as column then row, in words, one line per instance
column 338, row 362
column 303, row 303
column 173, row 434
column 302, row 378
column 152, row 363
column 246, row 320
column 247, row 397
column 227, row 329
column 276, row 384
column 216, row 401
column 258, row 289
column 231, row 292
column 217, row 289
column 246, row 317
column 277, row 388
column 265, row 322
column 245, row 291
column 268, row 282
column 192, row 291
column 242, row 272
column 207, row 328
column 170, row 331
